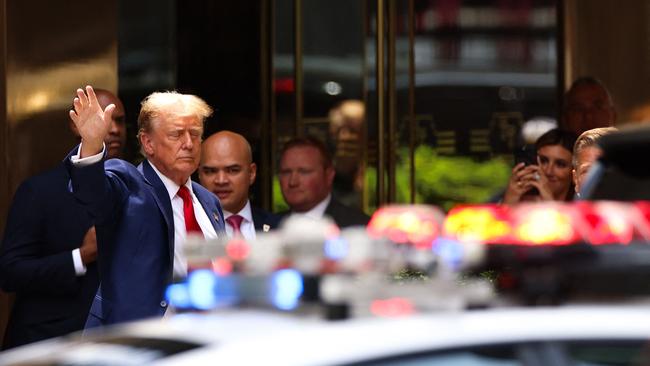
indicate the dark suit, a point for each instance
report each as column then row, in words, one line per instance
column 44, row 225
column 342, row 215
column 261, row 218
column 345, row 216
column 135, row 234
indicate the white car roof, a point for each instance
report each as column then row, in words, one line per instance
column 246, row 337
column 317, row 343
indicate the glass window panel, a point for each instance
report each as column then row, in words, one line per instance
column 482, row 70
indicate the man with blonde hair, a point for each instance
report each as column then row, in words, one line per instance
column 142, row 215
column 585, row 152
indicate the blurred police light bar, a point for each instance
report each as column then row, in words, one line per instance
column 479, row 223
column 545, row 224
column 609, row 222
column 206, row 290
column 416, row 225
column 550, row 223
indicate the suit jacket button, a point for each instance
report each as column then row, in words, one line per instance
column 163, row 304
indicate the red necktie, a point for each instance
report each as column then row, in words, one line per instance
column 191, row 225
column 235, row 222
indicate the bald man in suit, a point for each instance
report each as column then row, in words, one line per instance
column 227, row 170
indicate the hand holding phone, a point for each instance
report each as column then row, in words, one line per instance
column 526, row 154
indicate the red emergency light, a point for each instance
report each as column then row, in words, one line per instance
column 418, row 225
column 551, row 223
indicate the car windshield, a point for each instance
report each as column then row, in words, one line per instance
column 584, row 353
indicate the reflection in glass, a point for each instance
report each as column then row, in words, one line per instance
column 480, row 70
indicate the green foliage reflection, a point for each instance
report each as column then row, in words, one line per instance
column 443, row 181
column 446, row 181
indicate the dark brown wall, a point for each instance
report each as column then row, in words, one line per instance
column 611, row 42
column 220, row 58
column 44, row 56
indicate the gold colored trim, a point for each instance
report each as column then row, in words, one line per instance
column 392, row 100
column 381, row 153
column 411, row 98
column 364, row 72
column 267, row 113
column 298, row 71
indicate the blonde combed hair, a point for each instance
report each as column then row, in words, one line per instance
column 171, row 103
column 589, row 138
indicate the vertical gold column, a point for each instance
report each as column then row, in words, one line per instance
column 267, row 113
column 381, row 150
column 411, row 97
column 364, row 26
column 392, row 100
column 298, row 72
column 5, row 305
column 567, row 22
column 4, row 125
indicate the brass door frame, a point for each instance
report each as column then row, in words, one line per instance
column 386, row 94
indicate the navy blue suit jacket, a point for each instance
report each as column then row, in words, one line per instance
column 135, row 236
column 261, row 218
column 44, row 225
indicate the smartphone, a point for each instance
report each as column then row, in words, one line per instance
column 526, row 154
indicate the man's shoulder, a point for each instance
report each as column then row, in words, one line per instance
column 58, row 172
column 200, row 190
column 54, row 179
column 204, row 195
column 122, row 166
column 345, row 215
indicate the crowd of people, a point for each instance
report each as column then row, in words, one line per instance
column 564, row 155
column 96, row 240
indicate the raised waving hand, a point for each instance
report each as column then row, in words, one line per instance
column 93, row 123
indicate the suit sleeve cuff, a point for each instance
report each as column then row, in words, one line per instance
column 88, row 160
column 79, row 267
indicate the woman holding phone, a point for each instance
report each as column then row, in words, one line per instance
column 550, row 178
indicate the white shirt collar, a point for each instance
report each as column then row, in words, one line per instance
column 319, row 210
column 245, row 212
column 170, row 185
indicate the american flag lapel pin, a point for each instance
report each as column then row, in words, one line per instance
column 266, row 228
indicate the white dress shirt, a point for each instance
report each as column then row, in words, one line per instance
column 79, row 266
column 180, row 234
column 247, row 227
column 318, row 211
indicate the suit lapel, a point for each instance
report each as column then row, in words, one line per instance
column 213, row 211
column 262, row 220
column 258, row 219
column 161, row 196
column 332, row 208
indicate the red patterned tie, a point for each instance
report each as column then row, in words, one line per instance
column 191, row 225
column 235, row 222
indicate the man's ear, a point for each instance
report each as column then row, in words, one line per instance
column 253, row 174
column 329, row 175
column 146, row 143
